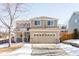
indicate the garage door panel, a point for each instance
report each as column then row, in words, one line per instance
column 44, row 37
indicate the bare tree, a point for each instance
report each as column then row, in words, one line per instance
column 9, row 13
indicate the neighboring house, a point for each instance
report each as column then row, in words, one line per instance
column 41, row 29
column 4, row 37
column 73, row 22
column 63, row 28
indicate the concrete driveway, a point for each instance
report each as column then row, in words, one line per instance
column 47, row 50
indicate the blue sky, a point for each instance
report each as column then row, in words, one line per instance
column 61, row 11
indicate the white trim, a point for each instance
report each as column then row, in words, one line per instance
column 40, row 22
column 50, row 21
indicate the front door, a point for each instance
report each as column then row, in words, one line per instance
column 26, row 37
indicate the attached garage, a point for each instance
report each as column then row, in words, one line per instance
column 44, row 36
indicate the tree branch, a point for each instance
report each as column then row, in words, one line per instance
column 16, row 7
column 3, row 22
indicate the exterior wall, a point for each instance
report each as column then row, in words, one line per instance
column 44, row 29
column 44, row 38
column 74, row 22
column 44, row 22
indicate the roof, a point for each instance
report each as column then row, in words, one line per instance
column 43, row 18
column 76, row 12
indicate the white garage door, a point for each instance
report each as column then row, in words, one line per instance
column 44, row 37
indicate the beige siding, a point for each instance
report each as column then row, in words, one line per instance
column 44, row 22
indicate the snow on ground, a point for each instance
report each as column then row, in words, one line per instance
column 25, row 50
column 72, row 41
column 4, row 45
column 73, row 51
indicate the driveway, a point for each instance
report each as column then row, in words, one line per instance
column 47, row 50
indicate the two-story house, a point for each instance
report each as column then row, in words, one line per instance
column 44, row 30
column 38, row 30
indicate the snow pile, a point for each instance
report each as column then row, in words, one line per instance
column 25, row 50
column 72, row 41
column 73, row 51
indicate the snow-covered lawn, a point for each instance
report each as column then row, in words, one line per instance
column 71, row 46
column 54, row 49
column 71, row 50
column 25, row 50
column 72, row 41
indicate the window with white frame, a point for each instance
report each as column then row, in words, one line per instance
column 37, row 22
column 50, row 23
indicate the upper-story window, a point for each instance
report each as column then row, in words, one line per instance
column 37, row 22
column 50, row 23
column 23, row 26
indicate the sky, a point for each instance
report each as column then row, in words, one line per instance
column 61, row 11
